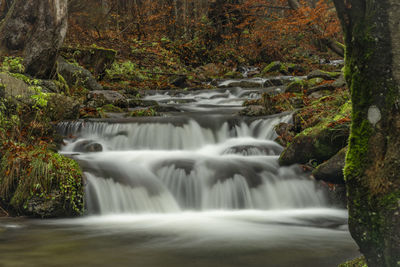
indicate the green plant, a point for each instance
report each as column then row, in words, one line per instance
column 13, row 64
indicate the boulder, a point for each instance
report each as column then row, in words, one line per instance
column 326, row 75
column 86, row 146
column 316, row 144
column 15, row 88
column 77, row 76
column 254, row 110
column 99, row 98
column 60, row 107
column 331, row 171
column 94, row 58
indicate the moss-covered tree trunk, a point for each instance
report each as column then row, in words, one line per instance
column 35, row 30
column 372, row 172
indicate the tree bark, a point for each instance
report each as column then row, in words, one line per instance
column 35, row 30
column 372, row 175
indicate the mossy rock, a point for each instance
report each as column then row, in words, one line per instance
column 296, row 86
column 111, row 108
column 76, row 76
column 232, row 75
column 47, row 184
column 326, row 75
column 275, row 66
column 316, row 144
column 331, row 171
column 55, row 111
column 94, row 58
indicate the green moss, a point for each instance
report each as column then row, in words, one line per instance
column 297, row 86
column 112, row 108
column 359, row 262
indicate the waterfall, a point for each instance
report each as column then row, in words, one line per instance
column 169, row 167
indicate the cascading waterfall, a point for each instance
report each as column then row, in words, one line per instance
column 169, row 167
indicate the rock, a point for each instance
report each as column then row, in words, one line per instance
column 94, row 58
column 46, row 208
column 16, row 89
column 166, row 109
column 326, row 75
column 316, row 144
column 86, row 146
column 294, row 68
column 340, row 82
column 296, row 86
column 275, row 66
column 254, row 110
column 331, row 171
column 134, row 103
column 100, row 98
column 49, row 86
column 178, row 81
column 110, row 108
column 77, row 76
column 322, row 87
column 285, row 132
column 273, row 82
column 318, row 94
column 60, row 107
column 314, row 82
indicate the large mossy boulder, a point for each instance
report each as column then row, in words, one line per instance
column 93, row 58
column 76, row 76
column 331, row 171
column 315, row 144
column 47, row 185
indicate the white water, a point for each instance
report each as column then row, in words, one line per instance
column 167, row 168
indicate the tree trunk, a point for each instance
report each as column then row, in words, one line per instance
column 372, row 165
column 35, row 30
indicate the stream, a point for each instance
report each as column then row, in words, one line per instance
column 200, row 186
